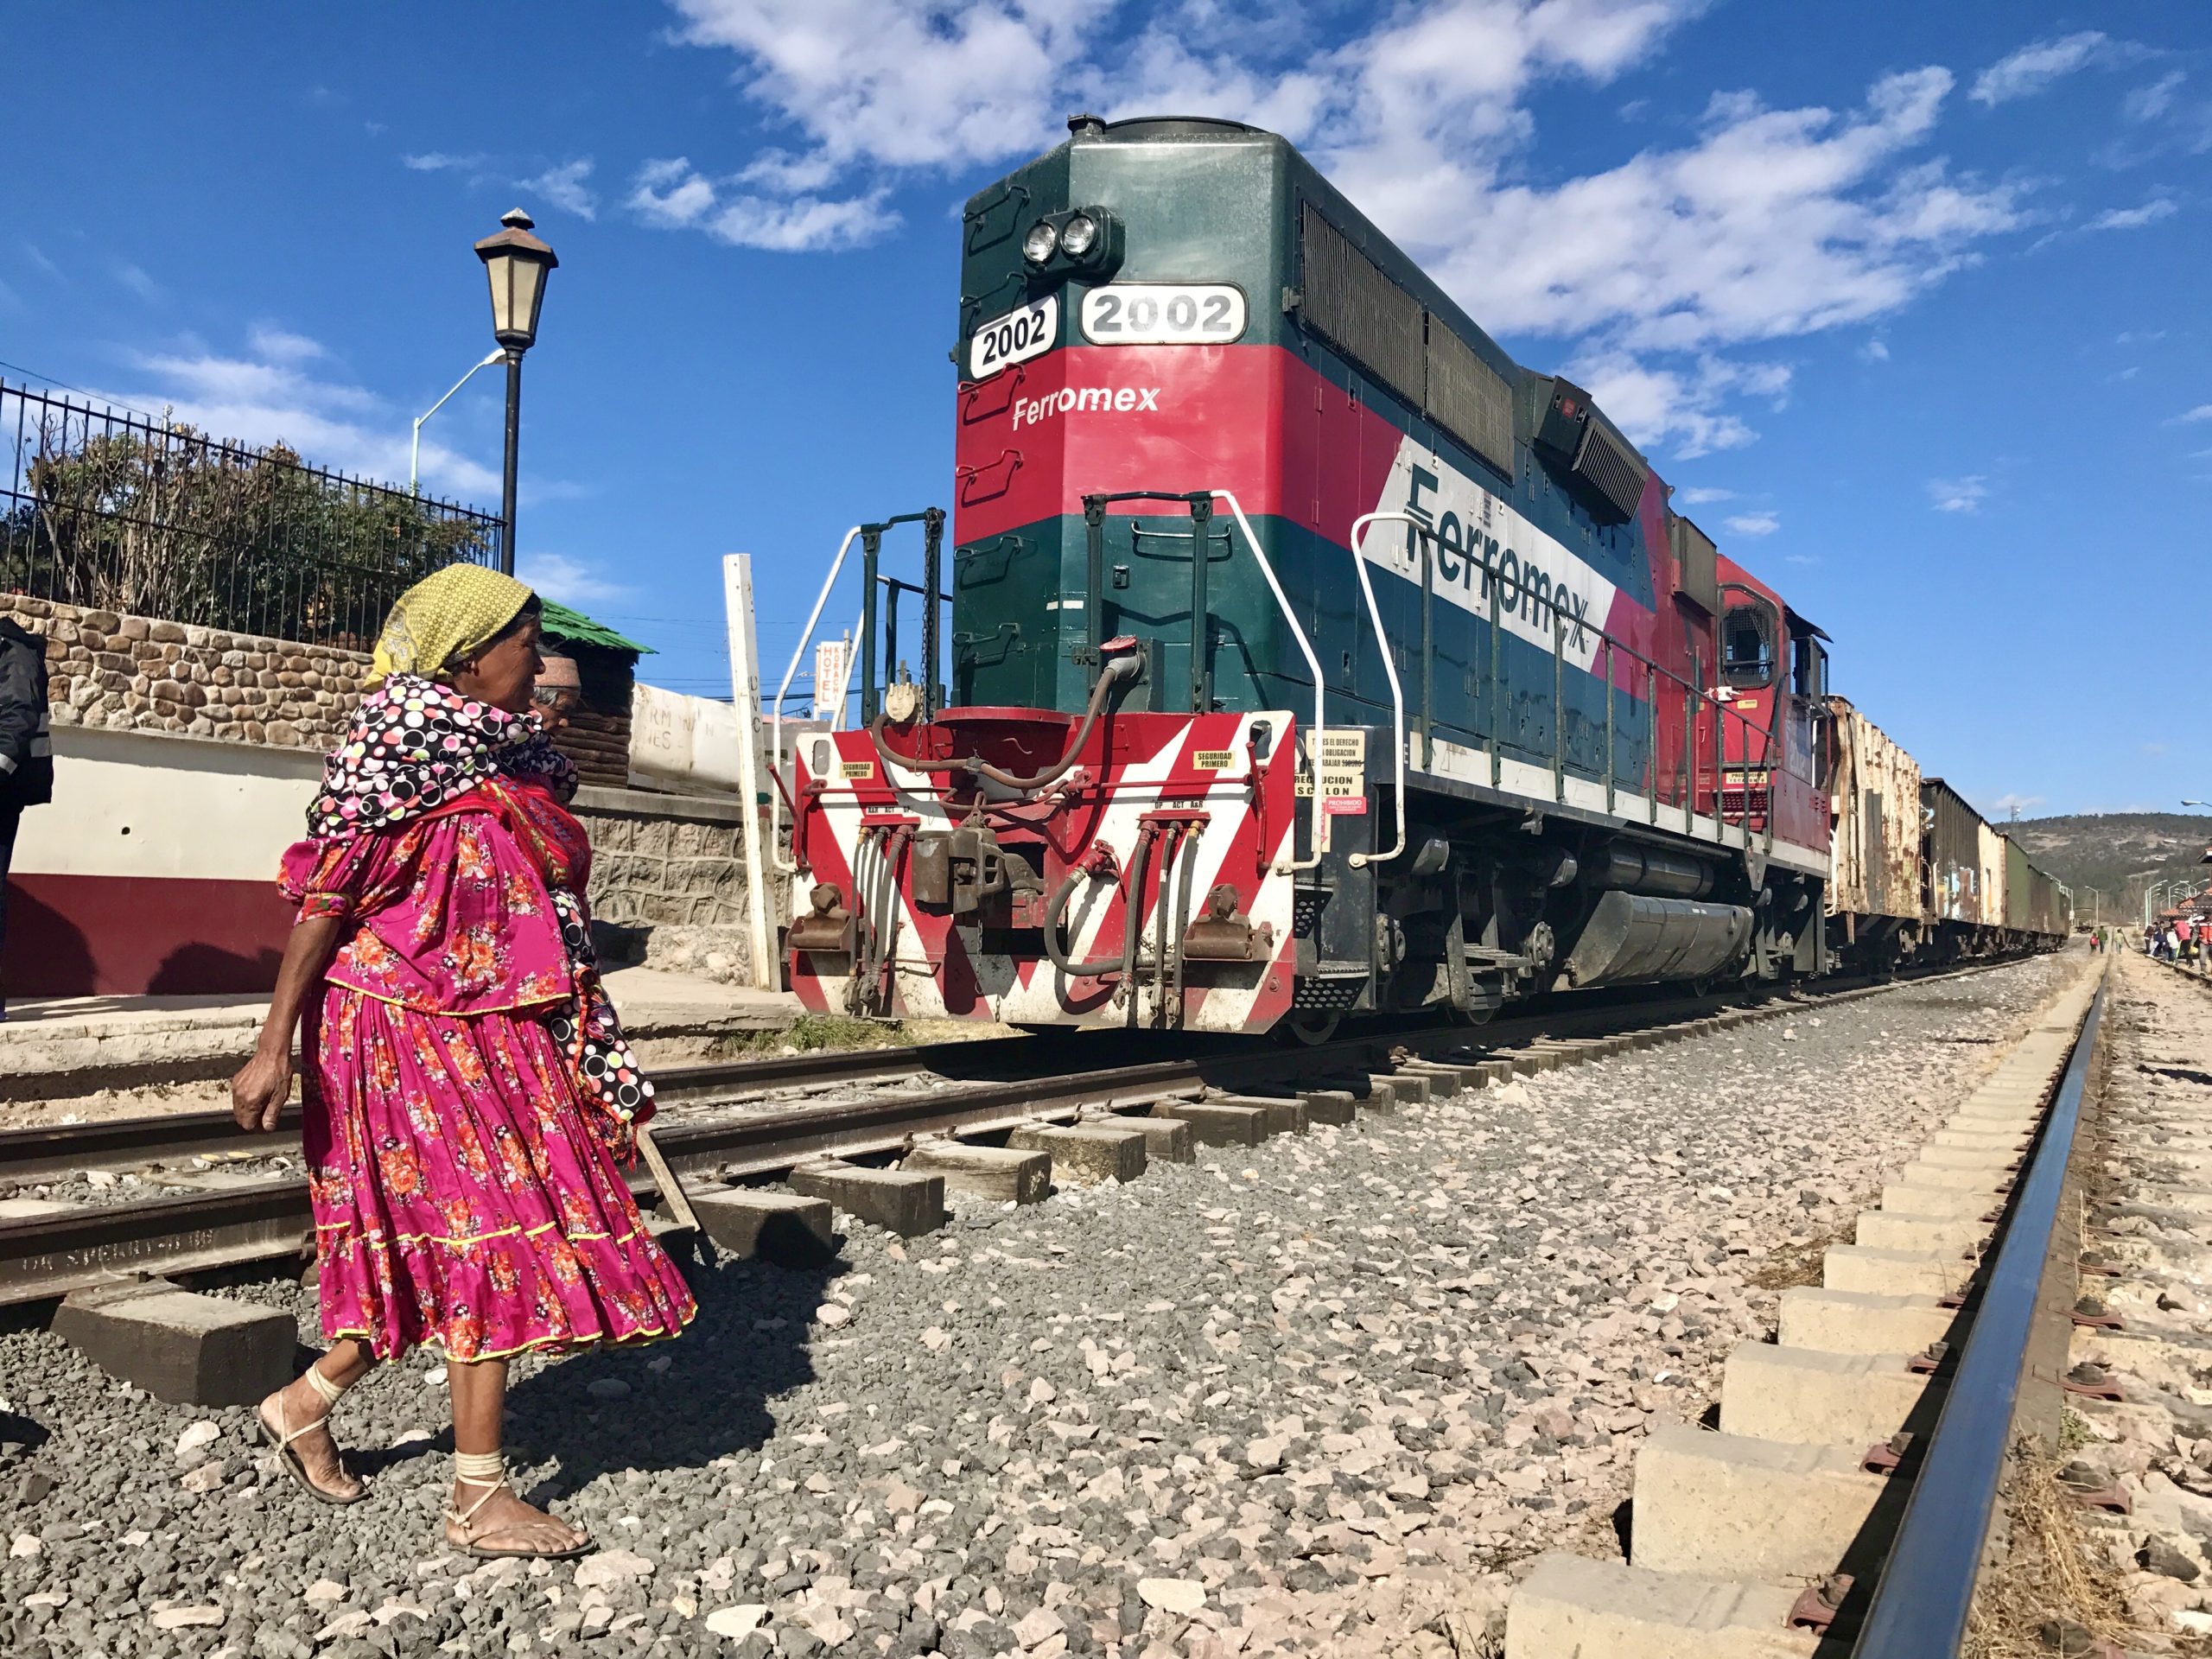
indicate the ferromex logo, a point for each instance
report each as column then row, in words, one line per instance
column 1070, row 400
column 1479, row 541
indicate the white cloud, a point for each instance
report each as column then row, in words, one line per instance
column 274, row 345
column 268, row 395
column 2149, row 102
column 1959, row 494
column 439, row 161
column 1653, row 403
column 672, row 195
column 2014, row 802
column 901, row 83
column 568, row 580
column 2202, row 412
column 133, row 278
column 1763, row 224
column 1801, row 558
column 1702, row 494
column 2035, row 67
column 2134, row 219
column 1753, row 523
column 566, row 187
column 1876, row 350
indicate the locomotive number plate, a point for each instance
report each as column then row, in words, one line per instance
column 1163, row 314
column 1014, row 338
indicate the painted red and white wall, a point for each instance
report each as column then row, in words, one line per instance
column 154, row 870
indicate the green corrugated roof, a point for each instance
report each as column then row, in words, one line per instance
column 562, row 623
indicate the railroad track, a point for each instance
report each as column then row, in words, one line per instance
column 89, row 1205
column 1845, row 1504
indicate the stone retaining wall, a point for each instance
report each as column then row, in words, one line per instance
column 131, row 673
column 670, row 862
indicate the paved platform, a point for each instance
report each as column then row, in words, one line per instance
column 76, row 1045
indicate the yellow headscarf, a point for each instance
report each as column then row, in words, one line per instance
column 447, row 614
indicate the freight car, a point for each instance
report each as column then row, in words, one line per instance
column 1307, row 655
column 1876, row 904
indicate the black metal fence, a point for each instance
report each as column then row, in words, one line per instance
column 111, row 511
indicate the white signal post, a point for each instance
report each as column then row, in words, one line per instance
column 744, row 696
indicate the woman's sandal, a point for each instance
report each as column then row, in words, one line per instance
column 290, row 1462
column 466, row 1519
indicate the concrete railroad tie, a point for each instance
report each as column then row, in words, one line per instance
column 1731, row 1528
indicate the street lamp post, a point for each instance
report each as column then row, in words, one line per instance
column 415, row 449
column 517, row 263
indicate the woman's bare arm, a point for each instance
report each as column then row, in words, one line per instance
column 258, row 1092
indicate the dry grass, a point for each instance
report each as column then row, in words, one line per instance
column 2051, row 1571
column 1792, row 1265
column 811, row 1032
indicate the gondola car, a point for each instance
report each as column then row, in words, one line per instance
column 1307, row 655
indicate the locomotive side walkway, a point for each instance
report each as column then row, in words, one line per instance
column 1320, row 1395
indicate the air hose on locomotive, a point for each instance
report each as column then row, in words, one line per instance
column 1119, row 669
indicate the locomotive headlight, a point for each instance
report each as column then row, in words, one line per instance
column 1078, row 236
column 1041, row 243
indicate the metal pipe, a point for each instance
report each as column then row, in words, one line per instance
column 1559, row 705
column 1201, row 607
column 415, row 446
column 776, row 714
column 507, row 474
column 1171, row 853
column 1094, row 604
column 932, row 586
column 1359, row 529
column 1428, row 655
column 871, row 553
column 1497, row 713
column 1305, row 648
column 1122, row 668
column 1186, row 868
column 1919, row 1610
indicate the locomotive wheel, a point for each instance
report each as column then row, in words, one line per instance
column 1309, row 1028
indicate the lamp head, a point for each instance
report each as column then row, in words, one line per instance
column 516, row 262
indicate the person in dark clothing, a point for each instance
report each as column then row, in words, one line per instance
column 26, row 753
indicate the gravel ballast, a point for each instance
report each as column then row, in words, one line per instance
column 1312, row 1396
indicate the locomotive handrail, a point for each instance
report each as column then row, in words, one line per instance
column 1292, row 865
column 1097, row 503
column 1359, row 525
column 776, row 717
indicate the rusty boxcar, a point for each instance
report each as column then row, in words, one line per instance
column 1875, row 903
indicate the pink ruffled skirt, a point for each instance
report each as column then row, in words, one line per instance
column 462, row 1196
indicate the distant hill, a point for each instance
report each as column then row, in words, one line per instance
column 2117, row 853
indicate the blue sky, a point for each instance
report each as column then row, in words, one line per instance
column 1907, row 299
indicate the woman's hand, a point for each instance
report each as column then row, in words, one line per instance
column 262, row 1086
column 258, row 1091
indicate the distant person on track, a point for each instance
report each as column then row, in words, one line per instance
column 25, row 754
column 468, row 1094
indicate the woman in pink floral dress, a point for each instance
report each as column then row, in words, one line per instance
column 468, row 1094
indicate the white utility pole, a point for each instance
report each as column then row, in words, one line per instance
column 744, row 696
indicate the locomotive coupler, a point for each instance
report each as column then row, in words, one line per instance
column 956, row 870
column 828, row 930
column 1221, row 933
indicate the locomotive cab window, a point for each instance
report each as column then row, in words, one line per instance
column 1808, row 667
column 1746, row 648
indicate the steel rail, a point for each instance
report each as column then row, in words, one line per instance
column 50, row 1152
column 44, row 1257
column 1921, row 1602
